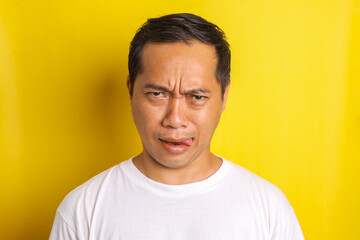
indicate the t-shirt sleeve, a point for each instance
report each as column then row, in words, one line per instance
column 60, row 230
column 291, row 227
column 287, row 227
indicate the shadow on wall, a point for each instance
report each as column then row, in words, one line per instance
column 103, row 133
column 110, row 120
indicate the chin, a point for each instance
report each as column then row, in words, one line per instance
column 173, row 162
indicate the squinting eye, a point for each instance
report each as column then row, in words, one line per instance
column 197, row 97
column 198, row 100
column 156, row 94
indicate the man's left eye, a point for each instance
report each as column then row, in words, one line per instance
column 198, row 97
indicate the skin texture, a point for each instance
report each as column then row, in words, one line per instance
column 176, row 106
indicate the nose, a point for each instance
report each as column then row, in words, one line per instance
column 175, row 116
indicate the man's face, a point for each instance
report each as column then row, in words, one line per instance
column 176, row 102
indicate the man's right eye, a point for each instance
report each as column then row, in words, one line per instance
column 156, row 94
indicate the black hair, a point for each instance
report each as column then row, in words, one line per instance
column 180, row 27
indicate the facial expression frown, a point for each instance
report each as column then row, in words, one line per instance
column 177, row 103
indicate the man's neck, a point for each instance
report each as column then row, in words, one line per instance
column 197, row 170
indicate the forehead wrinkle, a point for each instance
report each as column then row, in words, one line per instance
column 175, row 71
column 174, row 78
column 180, row 83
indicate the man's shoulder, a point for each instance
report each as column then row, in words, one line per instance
column 88, row 193
column 264, row 197
column 253, row 183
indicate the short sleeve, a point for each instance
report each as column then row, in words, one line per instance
column 60, row 230
column 287, row 226
column 291, row 227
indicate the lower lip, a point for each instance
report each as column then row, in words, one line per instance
column 175, row 149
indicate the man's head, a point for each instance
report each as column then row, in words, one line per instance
column 180, row 28
column 178, row 87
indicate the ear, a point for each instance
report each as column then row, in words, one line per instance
column 128, row 84
column 225, row 97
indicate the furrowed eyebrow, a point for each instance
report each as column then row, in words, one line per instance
column 156, row 87
column 197, row 91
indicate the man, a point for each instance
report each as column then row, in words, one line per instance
column 179, row 71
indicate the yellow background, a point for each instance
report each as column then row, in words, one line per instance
column 292, row 117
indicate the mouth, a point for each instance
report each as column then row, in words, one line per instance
column 177, row 146
column 186, row 142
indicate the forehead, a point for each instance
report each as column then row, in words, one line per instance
column 179, row 60
column 193, row 46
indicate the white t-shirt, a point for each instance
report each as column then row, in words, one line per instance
column 122, row 203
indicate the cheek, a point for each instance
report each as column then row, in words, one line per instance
column 208, row 120
column 146, row 117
